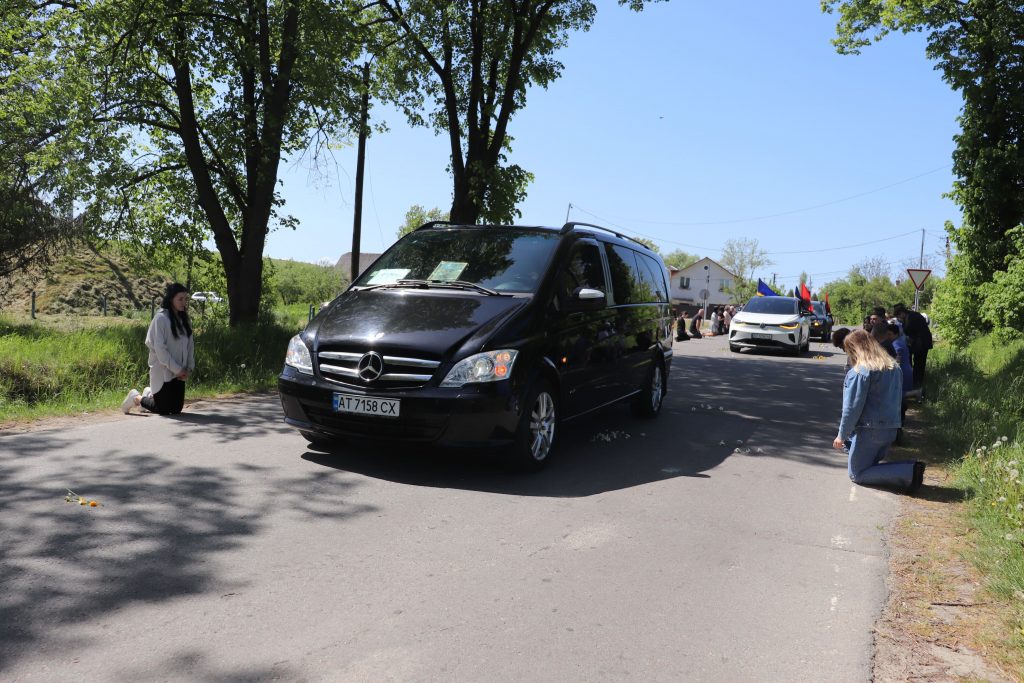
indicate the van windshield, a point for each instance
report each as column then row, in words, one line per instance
column 502, row 259
column 772, row 305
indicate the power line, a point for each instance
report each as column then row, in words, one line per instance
column 719, row 250
column 785, row 213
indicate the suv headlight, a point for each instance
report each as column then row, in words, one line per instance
column 489, row 366
column 298, row 356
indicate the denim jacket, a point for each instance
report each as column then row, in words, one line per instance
column 900, row 344
column 871, row 400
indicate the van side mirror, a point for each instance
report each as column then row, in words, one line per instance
column 587, row 299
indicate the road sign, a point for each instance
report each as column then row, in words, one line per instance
column 704, row 294
column 918, row 276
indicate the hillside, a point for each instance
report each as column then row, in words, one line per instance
column 77, row 283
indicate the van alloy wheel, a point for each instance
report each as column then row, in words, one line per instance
column 535, row 435
column 648, row 402
column 656, row 388
column 542, row 426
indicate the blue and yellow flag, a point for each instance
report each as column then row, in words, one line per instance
column 764, row 290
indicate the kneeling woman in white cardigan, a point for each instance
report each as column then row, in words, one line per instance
column 171, row 357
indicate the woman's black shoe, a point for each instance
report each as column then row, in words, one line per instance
column 918, row 479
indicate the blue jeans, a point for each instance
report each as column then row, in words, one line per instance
column 867, row 448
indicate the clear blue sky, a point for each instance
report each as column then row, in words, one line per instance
column 692, row 123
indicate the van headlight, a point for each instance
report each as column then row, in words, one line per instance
column 298, row 356
column 489, row 366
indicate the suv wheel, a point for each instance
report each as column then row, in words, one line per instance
column 648, row 402
column 535, row 436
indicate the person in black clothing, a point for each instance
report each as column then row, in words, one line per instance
column 915, row 326
column 695, row 321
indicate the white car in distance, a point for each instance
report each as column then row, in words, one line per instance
column 771, row 322
column 206, row 296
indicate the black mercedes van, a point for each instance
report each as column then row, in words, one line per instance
column 470, row 335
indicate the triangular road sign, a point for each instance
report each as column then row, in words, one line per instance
column 918, row 276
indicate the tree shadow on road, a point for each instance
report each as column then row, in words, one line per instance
column 65, row 567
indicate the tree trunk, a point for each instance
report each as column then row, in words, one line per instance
column 464, row 209
column 245, row 279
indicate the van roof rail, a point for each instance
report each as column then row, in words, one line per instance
column 433, row 224
column 568, row 227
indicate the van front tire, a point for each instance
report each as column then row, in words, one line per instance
column 535, row 436
column 652, row 395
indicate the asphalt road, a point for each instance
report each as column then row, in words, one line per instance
column 225, row 550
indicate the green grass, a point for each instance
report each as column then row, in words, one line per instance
column 64, row 366
column 975, row 416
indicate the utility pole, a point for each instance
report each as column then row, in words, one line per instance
column 920, row 264
column 357, row 217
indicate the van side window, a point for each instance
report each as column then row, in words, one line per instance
column 583, row 270
column 655, row 276
column 624, row 277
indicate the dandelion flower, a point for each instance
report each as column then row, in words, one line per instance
column 1002, row 499
column 242, row 366
column 1004, row 438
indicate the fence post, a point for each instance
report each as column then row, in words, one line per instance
column 33, row 304
column 104, row 305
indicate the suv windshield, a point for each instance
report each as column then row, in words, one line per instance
column 774, row 305
column 819, row 308
column 502, row 259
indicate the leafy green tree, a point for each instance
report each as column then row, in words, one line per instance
column 471, row 65
column 35, row 215
column 417, row 216
column 680, row 258
column 744, row 257
column 976, row 46
column 183, row 104
column 649, row 244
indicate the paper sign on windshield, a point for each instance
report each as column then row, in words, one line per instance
column 448, row 271
column 387, row 276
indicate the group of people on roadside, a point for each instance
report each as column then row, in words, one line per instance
column 885, row 366
column 721, row 316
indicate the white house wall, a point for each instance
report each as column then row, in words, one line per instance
column 720, row 278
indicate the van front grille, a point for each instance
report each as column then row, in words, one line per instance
column 372, row 369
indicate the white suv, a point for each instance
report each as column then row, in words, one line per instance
column 207, row 296
column 771, row 322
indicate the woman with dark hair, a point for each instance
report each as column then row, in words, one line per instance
column 872, row 394
column 171, row 357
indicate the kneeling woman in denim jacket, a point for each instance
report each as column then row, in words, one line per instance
column 872, row 394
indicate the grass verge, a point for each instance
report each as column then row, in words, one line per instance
column 63, row 366
column 974, row 417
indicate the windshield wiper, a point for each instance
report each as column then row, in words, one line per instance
column 457, row 284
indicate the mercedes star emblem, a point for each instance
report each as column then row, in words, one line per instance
column 370, row 367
